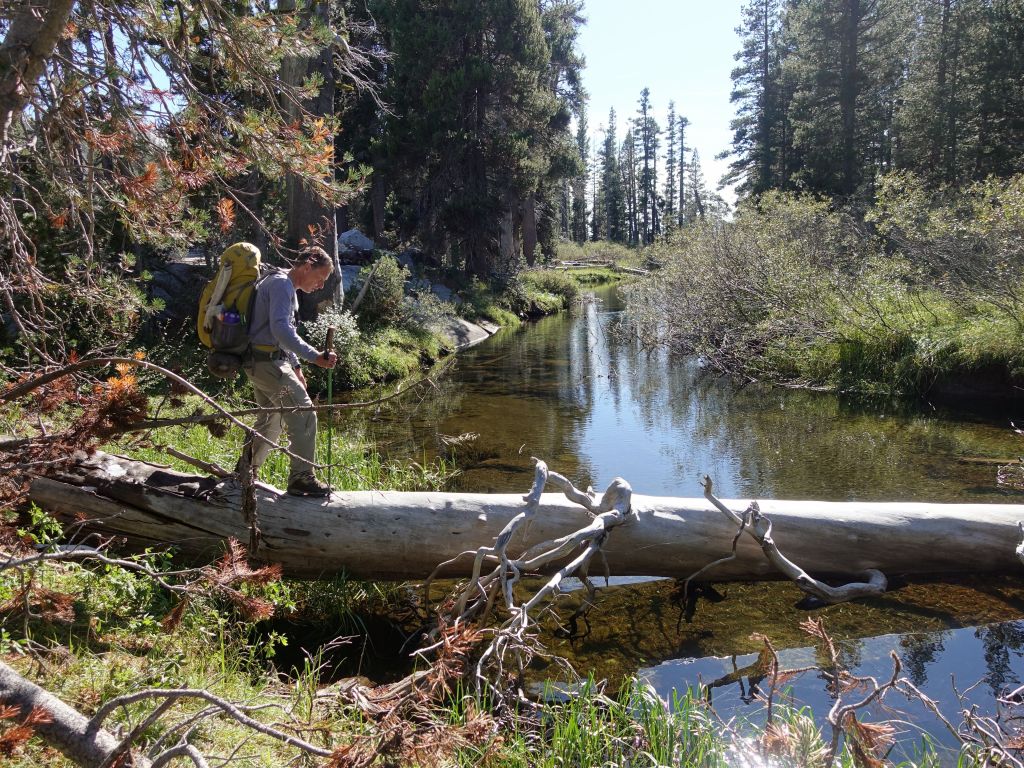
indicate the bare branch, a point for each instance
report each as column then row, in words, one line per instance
column 760, row 528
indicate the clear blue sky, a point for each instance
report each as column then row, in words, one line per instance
column 682, row 50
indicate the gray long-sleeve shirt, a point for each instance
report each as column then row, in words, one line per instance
column 273, row 318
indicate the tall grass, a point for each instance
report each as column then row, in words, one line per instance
column 635, row 728
column 356, row 465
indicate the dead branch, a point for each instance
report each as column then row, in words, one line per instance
column 78, row 552
column 760, row 528
column 18, row 390
column 66, row 728
column 514, row 638
column 237, row 712
column 86, row 741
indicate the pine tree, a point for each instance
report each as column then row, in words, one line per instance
column 628, row 173
column 645, row 132
column 993, row 136
column 847, row 60
column 482, row 95
column 614, row 198
column 598, row 210
column 757, row 132
column 670, row 167
column 696, row 207
column 681, row 125
column 578, row 230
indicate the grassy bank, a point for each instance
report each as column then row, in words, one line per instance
column 923, row 292
column 399, row 327
column 532, row 293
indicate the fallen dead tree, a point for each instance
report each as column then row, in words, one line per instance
column 396, row 535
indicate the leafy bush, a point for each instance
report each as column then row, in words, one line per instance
column 729, row 291
column 967, row 240
column 554, row 283
column 385, row 294
column 793, row 289
column 346, row 336
column 385, row 355
column 480, row 302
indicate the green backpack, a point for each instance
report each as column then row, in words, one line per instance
column 225, row 309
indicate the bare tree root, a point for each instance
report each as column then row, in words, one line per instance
column 515, row 637
column 760, row 528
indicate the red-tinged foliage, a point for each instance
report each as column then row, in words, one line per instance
column 869, row 742
column 114, row 406
column 42, row 603
column 38, row 716
column 171, row 621
column 232, row 572
column 226, row 214
column 14, row 737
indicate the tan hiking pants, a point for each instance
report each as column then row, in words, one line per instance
column 276, row 386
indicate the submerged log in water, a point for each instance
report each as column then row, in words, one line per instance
column 396, row 535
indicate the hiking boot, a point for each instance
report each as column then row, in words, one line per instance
column 307, row 485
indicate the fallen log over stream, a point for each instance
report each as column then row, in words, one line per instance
column 396, row 536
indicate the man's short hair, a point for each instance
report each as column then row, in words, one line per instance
column 316, row 257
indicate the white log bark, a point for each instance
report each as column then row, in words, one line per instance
column 393, row 535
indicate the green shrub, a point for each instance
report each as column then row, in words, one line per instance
column 385, row 355
column 551, row 282
column 504, row 308
column 794, row 289
column 385, row 294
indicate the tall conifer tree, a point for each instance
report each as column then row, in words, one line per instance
column 578, row 230
column 614, row 214
column 756, row 92
column 670, row 167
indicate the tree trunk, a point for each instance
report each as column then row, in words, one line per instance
column 33, row 34
column 507, row 240
column 308, row 214
column 530, row 229
column 394, row 535
column 67, row 729
column 849, row 87
column 378, row 201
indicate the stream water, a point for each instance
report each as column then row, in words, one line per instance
column 595, row 404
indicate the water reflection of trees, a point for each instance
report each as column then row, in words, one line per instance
column 553, row 386
column 918, row 651
column 998, row 642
